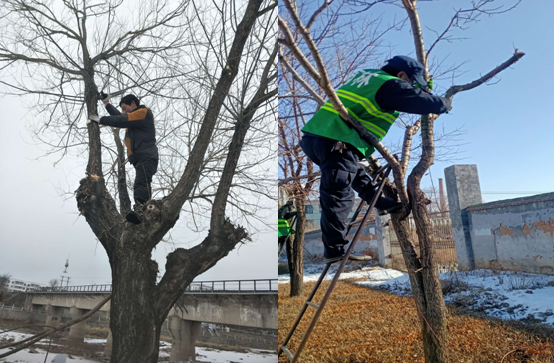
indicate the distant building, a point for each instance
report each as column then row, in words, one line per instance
column 22, row 286
column 313, row 214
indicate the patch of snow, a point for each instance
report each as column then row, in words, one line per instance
column 14, row 336
column 24, row 356
column 506, row 295
column 95, row 341
column 222, row 356
column 312, row 272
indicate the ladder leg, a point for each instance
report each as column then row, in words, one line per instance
column 304, row 308
column 323, row 302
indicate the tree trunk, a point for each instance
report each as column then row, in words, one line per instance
column 435, row 338
column 425, row 283
column 133, row 319
column 296, row 265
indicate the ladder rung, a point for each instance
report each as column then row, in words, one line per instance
column 288, row 353
column 315, row 306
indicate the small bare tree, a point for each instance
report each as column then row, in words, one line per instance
column 423, row 271
column 4, row 281
column 53, row 283
column 212, row 70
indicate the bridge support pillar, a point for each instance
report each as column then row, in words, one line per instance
column 77, row 331
column 184, row 334
column 108, row 348
column 53, row 316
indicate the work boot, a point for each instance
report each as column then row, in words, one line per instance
column 336, row 253
column 136, row 215
column 333, row 253
column 386, row 205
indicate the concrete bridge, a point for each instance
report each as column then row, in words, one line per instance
column 250, row 303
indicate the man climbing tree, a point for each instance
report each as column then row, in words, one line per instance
column 140, row 140
column 375, row 98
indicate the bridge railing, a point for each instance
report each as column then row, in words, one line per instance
column 196, row 287
column 233, row 286
column 68, row 289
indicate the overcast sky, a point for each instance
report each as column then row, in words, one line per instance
column 39, row 228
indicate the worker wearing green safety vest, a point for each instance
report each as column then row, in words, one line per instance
column 358, row 96
column 284, row 227
column 375, row 97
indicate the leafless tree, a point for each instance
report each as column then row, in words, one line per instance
column 53, row 283
column 423, row 271
column 210, row 71
column 4, row 281
column 346, row 47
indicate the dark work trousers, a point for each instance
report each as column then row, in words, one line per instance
column 145, row 168
column 340, row 174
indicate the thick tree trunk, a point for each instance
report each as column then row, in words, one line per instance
column 296, row 265
column 133, row 319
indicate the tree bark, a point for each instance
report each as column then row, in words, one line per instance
column 133, row 321
column 296, row 265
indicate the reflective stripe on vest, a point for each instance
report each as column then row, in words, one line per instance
column 358, row 96
column 284, row 228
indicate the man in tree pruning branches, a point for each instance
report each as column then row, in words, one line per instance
column 375, row 97
column 140, row 140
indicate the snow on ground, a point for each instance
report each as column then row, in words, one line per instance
column 13, row 336
column 222, row 356
column 312, row 272
column 95, row 341
column 25, row 357
column 203, row 354
column 507, row 295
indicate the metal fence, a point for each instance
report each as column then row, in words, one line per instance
column 233, row 286
column 261, row 286
column 442, row 242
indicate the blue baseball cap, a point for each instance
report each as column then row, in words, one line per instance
column 412, row 67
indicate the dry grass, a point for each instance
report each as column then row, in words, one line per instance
column 360, row 325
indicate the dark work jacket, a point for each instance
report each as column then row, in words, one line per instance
column 399, row 95
column 140, row 134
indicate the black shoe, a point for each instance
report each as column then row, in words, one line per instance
column 386, row 205
column 136, row 215
column 333, row 253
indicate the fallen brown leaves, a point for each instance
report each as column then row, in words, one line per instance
column 360, row 325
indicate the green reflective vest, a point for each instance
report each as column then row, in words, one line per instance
column 358, row 96
column 284, row 228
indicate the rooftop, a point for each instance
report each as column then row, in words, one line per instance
column 512, row 202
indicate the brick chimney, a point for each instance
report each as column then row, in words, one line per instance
column 443, row 205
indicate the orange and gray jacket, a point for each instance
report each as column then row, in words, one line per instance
column 140, row 133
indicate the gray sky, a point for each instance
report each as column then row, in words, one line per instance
column 39, row 228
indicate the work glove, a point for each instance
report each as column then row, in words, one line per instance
column 104, row 97
column 94, row 118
